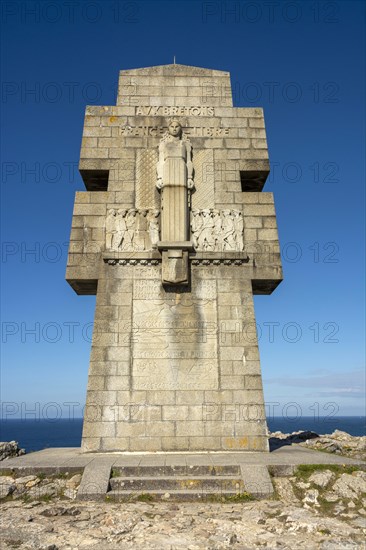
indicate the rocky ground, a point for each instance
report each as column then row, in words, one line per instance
column 319, row 507
column 338, row 442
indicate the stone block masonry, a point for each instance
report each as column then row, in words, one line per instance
column 174, row 236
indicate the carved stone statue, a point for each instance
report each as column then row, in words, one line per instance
column 175, row 180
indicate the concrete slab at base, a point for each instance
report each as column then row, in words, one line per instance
column 184, row 475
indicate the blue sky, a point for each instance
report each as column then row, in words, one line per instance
column 303, row 62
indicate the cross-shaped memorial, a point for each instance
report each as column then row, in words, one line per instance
column 174, row 236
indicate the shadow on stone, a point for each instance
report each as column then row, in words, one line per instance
column 280, row 440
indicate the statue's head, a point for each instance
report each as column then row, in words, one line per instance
column 175, row 127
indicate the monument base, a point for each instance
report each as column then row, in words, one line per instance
column 175, row 368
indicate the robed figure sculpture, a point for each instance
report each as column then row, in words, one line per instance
column 175, row 182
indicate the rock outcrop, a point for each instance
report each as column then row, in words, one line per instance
column 338, row 442
column 10, row 449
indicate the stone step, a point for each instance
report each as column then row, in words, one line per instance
column 147, row 484
column 180, row 470
column 257, row 480
column 176, row 495
column 95, row 480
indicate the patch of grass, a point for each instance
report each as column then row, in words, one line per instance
column 7, row 499
column 240, row 497
column 13, row 543
column 61, row 475
column 304, row 471
column 145, row 497
column 325, row 507
column 45, row 498
column 275, row 495
column 324, row 531
column 115, row 473
column 6, row 472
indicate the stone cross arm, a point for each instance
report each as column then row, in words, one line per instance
column 118, row 164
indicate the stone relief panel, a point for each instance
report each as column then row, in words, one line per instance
column 147, row 196
column 212, row 230
column 217, row 230
column 174, row 343
column 132, row 230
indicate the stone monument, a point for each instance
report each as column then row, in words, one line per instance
column 174, row 236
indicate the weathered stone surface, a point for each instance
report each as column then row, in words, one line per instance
column 9, row 449
column 351, row 486
column 174, row 235
column 338, row 442
column 147, row 522
column 321, row 479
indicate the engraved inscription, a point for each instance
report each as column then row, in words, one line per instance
column 146, row 289
column 154, row 353
column 174, row 111
column 171, row 374
column 159, row 131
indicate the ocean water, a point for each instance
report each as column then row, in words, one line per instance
column 34, row 435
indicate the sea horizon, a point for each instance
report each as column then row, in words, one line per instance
column 37, row 434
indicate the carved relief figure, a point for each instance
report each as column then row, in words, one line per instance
column 175, row 180
column 215, row 230
column 132, row 230
column 153, row 226
column 196, row 226
column 239, row 230
column 206, row 238
column 119, row 235
column 110, row 228
column 228, row 230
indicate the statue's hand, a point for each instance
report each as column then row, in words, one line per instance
column 190, row 184
column 159, row 183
